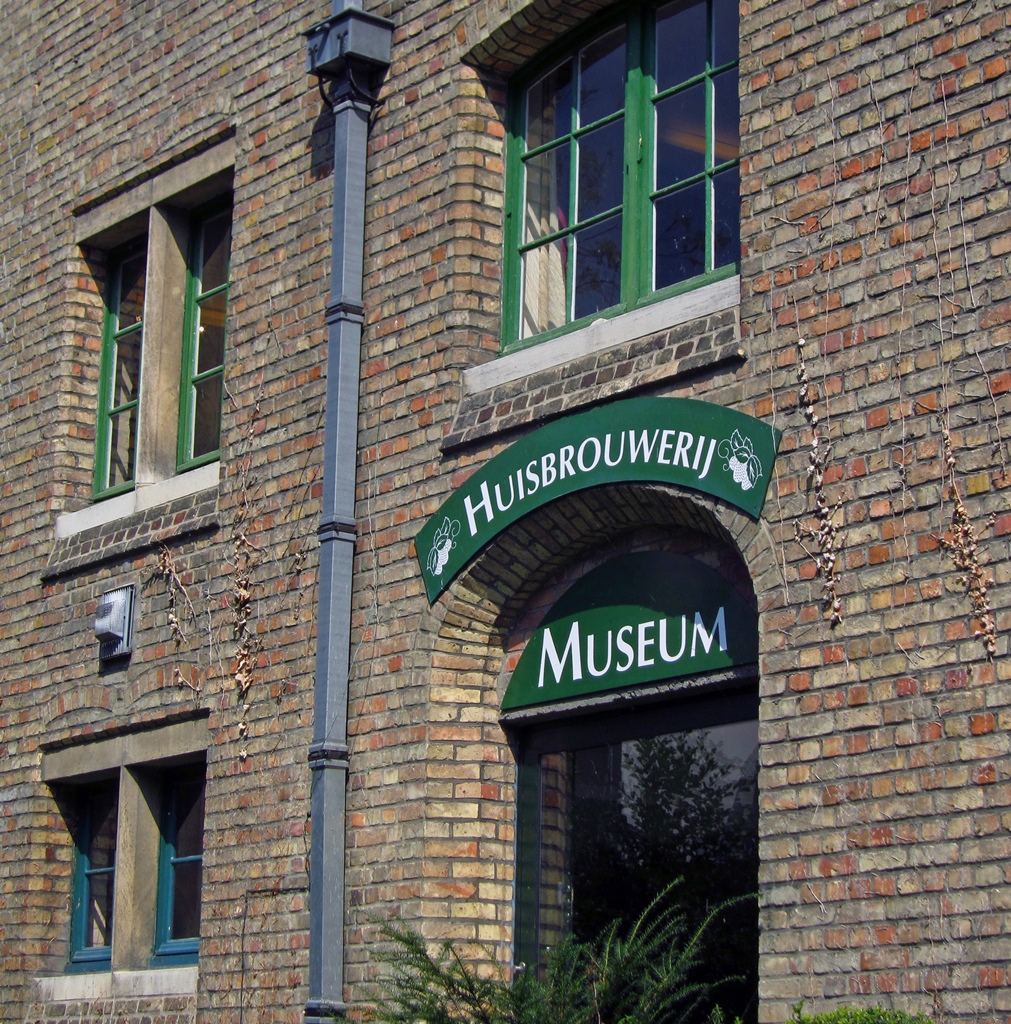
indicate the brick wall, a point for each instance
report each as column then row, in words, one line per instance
column 98, row 99
column 875, row 226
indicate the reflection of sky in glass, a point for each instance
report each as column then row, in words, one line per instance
column 601, row 167
column 598, row 267
column 727, row 210
column 681, row 135
column 680, row 240
column 726, row 41
column 602, row 77
column 726, row 117
column 680, row 43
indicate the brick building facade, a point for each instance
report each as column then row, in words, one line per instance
column 504, row 245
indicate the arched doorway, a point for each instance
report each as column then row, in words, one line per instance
column 633, row 715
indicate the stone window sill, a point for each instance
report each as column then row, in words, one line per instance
column 602, row 334
column 169, row 981
column 140, row 499
column 687, row 334
column 184, row 506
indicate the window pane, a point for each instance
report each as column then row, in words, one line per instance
column 598, row 267
column 190, row 817
column 726, row 44
column 680, row 43
column 104, row 823
column 554, row 909
column 602, row 77
column 601, row 166
column 549, row 106
column 183, row 853
column 216, row 245
column 127, row 379
column 681, row 136
column 207, row 416
column 680, row 243
column 619, row 822
column 726, row 117
column 186, row 900
column 122, row 445
column 727, row 209
column 131, row 290
column 98, row 922
column 211, row 332
column 546, row 209
column 98, row 860
column 544, row 273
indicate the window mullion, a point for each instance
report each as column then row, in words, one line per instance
column 570, row 242
column 710, row 186
column 637, row 242
column 105, row 390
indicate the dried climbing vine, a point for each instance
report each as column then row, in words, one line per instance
column 244, row 558
column 180, row 608
column 826, row 533
column 962, row 547
column 247, row 644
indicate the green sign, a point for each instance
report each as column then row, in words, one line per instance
column 679, row 441
column 639, row 619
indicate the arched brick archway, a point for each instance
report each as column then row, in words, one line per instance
column 455, row 865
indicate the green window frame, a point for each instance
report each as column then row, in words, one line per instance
column 94, row 877
column 203, row 355
column 119, row 384
column 128, row 400
column 623, row 177
column 180, row 867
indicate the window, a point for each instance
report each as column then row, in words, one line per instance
column 623, row 178
column 614, row 808
column 162, row 367
column 180, row 865
column 94, row 875
column 120, row 910
column 204, row 340
column 120, row 380
column 137, row 825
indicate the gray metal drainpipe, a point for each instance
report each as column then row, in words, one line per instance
column 349, row 53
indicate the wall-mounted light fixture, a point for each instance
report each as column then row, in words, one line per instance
column 114, row 622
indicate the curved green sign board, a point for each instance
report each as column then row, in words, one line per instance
column 679, row 441
column 639, row 619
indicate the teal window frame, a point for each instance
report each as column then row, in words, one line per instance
column 194, row 376
column 85, row 956
column 109, row 409
column 640, row 191
column 170, row 950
